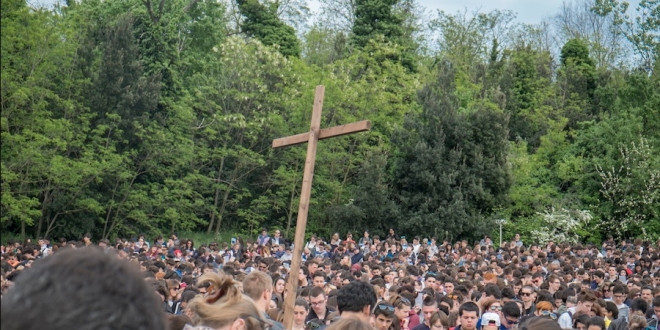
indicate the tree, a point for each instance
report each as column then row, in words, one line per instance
column 577, row 20
column 261, row 22
column 641, row 30
column 450, row 168
column 632, row 190
column 376, row 19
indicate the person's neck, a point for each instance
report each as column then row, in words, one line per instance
column 528, row 304
column 298, row 327
column 355, row 315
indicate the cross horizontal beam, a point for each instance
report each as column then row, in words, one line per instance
column 325, row 133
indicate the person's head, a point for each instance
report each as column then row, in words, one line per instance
column 178, row 322
column 639, row 305
column 637, row 322
column 300, row 311
column 647, row 293
column 429, row 306
column 225, row 306
column 279, row 285
column 596, row 323
column 81, row 289
column 439, row 321
column 544, row 308
column 527, row 293
column 319, row 279
column 402, row 306
column 510, row 314
column 539, row 323
column 611, row 311
column 318, row 300
column 259, row 287
column 356, row 299
column 656, row 307
column 619, row 293
column 580, row 321
column 490, row 321
column 383, row 315
column 469, row 315
column 586, row 300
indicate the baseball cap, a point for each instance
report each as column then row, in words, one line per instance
column 490, row 319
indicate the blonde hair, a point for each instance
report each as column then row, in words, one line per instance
column 224, row 304
column 255, row 283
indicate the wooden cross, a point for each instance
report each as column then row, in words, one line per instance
column 312, row 138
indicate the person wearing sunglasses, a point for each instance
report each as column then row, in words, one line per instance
column 402, row 308
column 490, row 321
column 383, row 316
column 510, row 316
column 527, row 297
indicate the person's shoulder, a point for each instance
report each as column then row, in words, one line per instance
column 421, row 327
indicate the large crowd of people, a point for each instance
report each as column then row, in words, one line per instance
column 370, row 282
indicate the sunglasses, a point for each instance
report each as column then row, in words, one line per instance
column 549, row 313
column 527, row 294
column 495, row 308
column 510, row 321
column 386, row 307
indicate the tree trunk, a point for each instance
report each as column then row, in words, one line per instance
column 23, row 231
column 43, row 210
column 289, row 213
column 222, row 211
column 217, row 195
column 107, row 215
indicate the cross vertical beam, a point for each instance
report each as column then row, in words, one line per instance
column 303, row 208
column 312, row 138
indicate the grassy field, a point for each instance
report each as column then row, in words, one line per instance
column 199, row 238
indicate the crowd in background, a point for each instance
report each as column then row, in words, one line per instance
column 384, row 283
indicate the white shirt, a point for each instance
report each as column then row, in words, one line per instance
column 566, row 319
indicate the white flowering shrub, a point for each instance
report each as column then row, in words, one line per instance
column 561, row 225
column 633, row 191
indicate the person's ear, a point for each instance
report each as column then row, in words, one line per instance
column 239, row 324
column 367, row 310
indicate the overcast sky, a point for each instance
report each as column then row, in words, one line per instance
column 528, row 11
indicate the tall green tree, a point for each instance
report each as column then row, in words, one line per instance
column 261, row 22
column 378, row 20
column 450, row 168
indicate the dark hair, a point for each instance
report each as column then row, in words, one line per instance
column 597, row 321
column 316, row 291
column 81, row 289
column 507, row 292
column 611, row 307
column 639, row 304
column 303, row 303
column 384, row 308
column 582, row 318
column 493, row 290
column 470, row 307
column 656, row 301
column 511, row 309
column 354, row 296
column 178, row 322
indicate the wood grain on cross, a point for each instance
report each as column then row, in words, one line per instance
column 312, row 137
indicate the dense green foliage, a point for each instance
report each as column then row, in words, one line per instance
column 121, row 117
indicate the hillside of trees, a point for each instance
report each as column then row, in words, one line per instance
column 146, row 116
